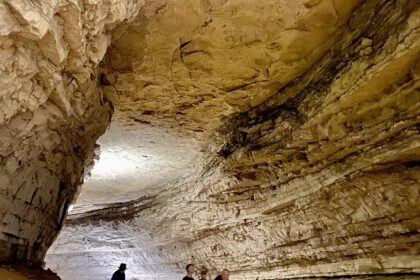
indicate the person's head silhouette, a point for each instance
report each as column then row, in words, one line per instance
column 123, row 267
column 120, row 273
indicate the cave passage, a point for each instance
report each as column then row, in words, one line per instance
column 276, row 139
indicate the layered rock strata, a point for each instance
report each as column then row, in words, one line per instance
column 308, row 113
column 52, row 112
column 313, row 170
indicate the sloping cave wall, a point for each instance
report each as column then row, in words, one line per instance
column 313, row 171
column 52, row 112
column 311, row 174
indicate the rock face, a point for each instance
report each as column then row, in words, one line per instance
column 52, row 112
column 22, row 273
column 307, row 114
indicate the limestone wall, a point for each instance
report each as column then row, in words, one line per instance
column 313, row 169
column 52, row 112
column 307, row 111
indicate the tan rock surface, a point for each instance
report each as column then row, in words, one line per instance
column 306, row 115
column 224, row 57
column 317, row 167
column 52, row 112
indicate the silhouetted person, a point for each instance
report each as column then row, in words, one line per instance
column 203, row 275
column 120, row 273
column 223, row 276
column 190, row 271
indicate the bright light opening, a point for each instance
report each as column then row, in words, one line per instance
column 114, row 163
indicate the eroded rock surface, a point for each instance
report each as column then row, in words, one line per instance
column 313, row 170
column 52, row 112
column 308, row 116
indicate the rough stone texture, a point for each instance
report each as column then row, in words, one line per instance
column 23, row 273
column 307, row 112
column 224, row 57
column 52, row 112
column 312, row 170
